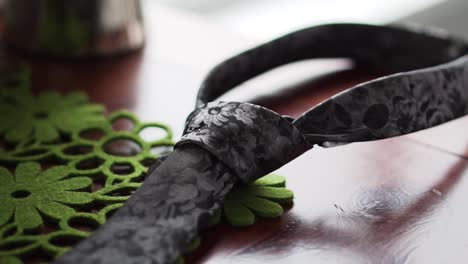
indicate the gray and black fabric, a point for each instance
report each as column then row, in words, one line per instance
column 229, row 142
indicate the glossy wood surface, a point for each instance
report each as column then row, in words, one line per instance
column 401, row 200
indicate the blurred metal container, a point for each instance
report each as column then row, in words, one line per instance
column 74, row 28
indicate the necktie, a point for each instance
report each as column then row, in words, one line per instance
column 229, row 142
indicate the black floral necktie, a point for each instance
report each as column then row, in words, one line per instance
column 227, row 142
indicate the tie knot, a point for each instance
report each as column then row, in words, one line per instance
column 249, row 139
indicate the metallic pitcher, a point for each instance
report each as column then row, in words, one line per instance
column 74, row 28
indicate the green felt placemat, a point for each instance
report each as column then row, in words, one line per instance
column 65, row 167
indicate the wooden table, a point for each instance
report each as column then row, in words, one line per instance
column 401, row 200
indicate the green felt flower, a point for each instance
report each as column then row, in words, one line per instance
column 45, row 117
column 31, row 191
column 262, row 198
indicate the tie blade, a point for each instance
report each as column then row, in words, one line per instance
column 160, row 219
column 390, row 106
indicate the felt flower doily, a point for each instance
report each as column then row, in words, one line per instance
column 65, row 167
column 42, row 118
column 262, row 198
column 31, row 191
